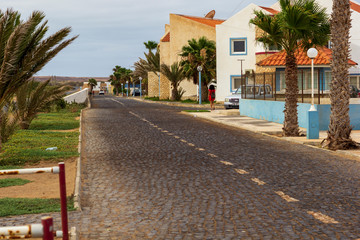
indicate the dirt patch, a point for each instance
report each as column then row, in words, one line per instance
column 44, row 185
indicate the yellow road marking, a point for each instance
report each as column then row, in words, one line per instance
column 258, row 181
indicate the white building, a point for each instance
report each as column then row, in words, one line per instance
column 236, row 49
column 236, row 46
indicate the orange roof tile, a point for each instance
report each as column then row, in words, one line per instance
column 278, row 59
column 166, row 38
column 355, row 6
column 270, row 10
column 206, row 21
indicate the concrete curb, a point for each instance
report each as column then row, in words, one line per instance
column 77, row 197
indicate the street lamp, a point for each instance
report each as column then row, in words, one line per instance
column 199, row 68
column 159, row 83
column 312, row 114
column 122, row 89
column 140, row 78
column 312, row 53
column 127, row 91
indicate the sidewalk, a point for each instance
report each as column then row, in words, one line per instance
column 233, row 118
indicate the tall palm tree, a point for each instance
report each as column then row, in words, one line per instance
column 151, row 45
column 201, row 52
column 175, row 74
column 24, row 50
column 32, row 96
column 339, row 127
column 301, row 23
column 92, row 83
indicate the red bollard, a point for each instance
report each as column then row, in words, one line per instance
column 47, row 223
column 64, row 216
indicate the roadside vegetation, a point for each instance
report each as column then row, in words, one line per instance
column 57, row 128
column 190, row 101
column 21, row 206
column 53, row 129
column 8, row 182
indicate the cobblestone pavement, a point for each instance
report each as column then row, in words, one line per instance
column 151, row 172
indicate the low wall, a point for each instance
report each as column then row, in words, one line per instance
column 78, row 97
column 273, row 111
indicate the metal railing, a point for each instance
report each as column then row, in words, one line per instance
column 41, row 229
column 254, row 86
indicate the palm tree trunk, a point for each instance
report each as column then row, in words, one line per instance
column 1, row 119
column 339, row 127
column 291, row 126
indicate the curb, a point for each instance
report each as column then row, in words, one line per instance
column 77, row 197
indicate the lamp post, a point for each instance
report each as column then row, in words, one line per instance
column 312, row 53
column 140, row 78
column 313, row 115
column 199, row 68
column 159, row 83
column 127, row 90
column 122, row 89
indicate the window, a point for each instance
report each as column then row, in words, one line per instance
column 353, row 81
column 327, row 80
column 235, row 82
column 238, row 46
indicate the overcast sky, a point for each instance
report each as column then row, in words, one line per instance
column 112, row 32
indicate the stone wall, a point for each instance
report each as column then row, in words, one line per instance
column 153, row 85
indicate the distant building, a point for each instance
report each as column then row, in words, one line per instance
column 181, row 29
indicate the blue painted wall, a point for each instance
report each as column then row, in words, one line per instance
column 273, row 111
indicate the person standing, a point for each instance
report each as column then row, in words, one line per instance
column 212, row 96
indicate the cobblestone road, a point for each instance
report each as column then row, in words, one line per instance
column 151, row 172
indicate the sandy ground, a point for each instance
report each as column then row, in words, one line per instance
column 44, row 185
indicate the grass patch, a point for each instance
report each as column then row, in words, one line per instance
column 195, row 102
column 202, row 110
column 8, row 182
column 157, row 99
column 62, row 120
column 21, row 206
column 28, row 146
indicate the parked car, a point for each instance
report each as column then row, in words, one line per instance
column 137, row 92
column 232, row 101
column 354, row 91
column 101, row 92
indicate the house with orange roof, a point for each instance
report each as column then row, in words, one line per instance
column 322, row 76
column 237, row 51
column 354, row 70
column 180, row 29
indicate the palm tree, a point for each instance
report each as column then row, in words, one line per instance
column 92, row 84
column 339, row 127
column 175, row 74
column 200, row 52
column 9, row 121
column 120, row 75
column 32, row 96
column 151, row 45
column 301, row 23
column 24, row 50
column 153, row 61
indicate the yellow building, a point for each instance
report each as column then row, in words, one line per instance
column 181, row 29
